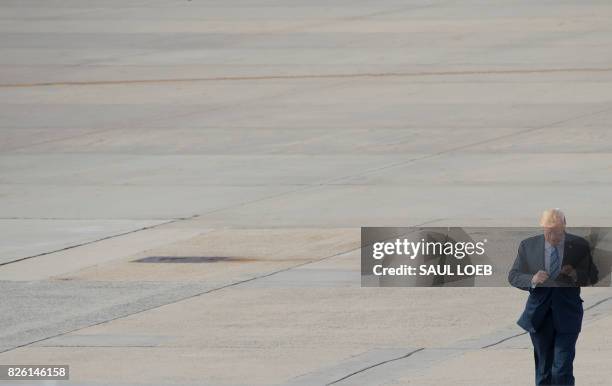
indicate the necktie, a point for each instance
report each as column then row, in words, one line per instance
column 554, row 263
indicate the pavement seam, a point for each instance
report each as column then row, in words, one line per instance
column 525, row 332
column 310, row 76
column 334, row 180
column 97, row 240
column 375, row 365
column 458, row 350
column 469, row 145
column 598, row 303
column 233, row 284
column 215, row 108
column 504, row 340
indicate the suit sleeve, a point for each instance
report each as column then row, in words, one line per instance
column 518, row 276
column 593, row 271
column 587, row 273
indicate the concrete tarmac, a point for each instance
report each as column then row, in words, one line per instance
column 259, row 136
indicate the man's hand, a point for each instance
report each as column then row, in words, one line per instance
column 569, row 271
column 539, row 277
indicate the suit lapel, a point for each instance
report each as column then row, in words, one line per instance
column 540, row 254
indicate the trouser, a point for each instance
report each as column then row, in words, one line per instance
column 554, row 354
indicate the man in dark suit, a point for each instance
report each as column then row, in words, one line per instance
column 553, row 267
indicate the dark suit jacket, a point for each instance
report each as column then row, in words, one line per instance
column 561, row 296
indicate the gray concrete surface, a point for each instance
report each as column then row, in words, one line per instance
column 270, row 131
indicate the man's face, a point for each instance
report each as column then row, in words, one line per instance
column 554, row 234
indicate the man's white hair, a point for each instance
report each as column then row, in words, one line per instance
column 552, row 217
